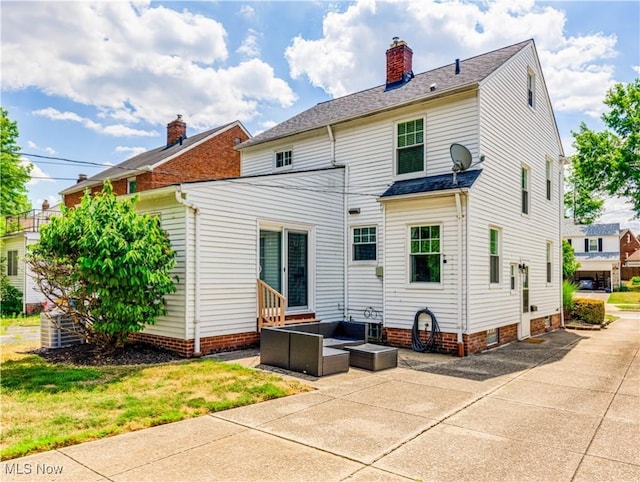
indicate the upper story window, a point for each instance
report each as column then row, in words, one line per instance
column 425, row 259
column 132, row 185
column 494, row 255
column 525, row 183
column 592, row 245
column 12, row 263
column 410, row 147
column 531, row 88
column 364, row 243
column 283, row 158
column 548, row 169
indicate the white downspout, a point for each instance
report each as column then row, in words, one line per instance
column 560, row 218
column 196, row 264
column 345, row 275
column 459, row 274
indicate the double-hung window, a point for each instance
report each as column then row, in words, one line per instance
column 410, row 147
column 283, row 158
column 531, row 88
column 549, row 260
column 12, row 263
column 548, row 173
column 425, row 255
column 525, row 184
column 364, row 243
column 494, row 255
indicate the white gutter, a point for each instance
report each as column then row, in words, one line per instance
column 196, row 264
column 459, row 274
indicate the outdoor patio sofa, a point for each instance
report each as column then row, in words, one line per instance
column 311, row 348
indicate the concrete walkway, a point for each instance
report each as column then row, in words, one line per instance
column 564, row 409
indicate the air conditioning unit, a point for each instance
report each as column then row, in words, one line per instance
column 53, row 337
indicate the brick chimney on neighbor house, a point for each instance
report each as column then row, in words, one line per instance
column 176, row 130
column 399, row 63
column 45, row 205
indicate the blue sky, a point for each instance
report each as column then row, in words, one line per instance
column 98, row 82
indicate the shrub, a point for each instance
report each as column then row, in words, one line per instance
column 622, row 288
column 11, row 300
column 568, row 289
column 635, row 280
column 588, row 311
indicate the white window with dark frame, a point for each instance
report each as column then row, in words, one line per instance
column 283, row 159
column 592, row 245
column 12, row 263
column 549, row 261
column 494, row 255
column 410, row 147
column 525, row 183
column 531, row 88
column 364, row 243
column 425, row 258
column 132, row 185
column 548, row 168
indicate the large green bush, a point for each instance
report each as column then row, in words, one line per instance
column 104, row 266
column 10, row 300
column 588, row 311
column 635, row 280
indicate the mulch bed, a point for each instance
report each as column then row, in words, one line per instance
column 88, row 355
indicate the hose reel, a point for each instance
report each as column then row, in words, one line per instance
column 435, row 336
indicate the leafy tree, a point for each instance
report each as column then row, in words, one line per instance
column 609, row 161
column 569, row 263
column 106, row 267
column 581, row 203
column 13, row 195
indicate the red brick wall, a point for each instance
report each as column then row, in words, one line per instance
column 214, row 159
column 208, row 345
column 538, row 324
column 399, row 62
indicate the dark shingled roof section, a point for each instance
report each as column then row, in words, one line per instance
column 148, row 158
column 441, row 182
column 378, row 99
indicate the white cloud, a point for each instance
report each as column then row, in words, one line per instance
column 130, row 151
column 247, row 11
column 636, row 68
column 133, row 62
column 37, row 174
column 35, row 147
column 350, row 54
column 250, row 46
column 619, row 210
column 112, row 130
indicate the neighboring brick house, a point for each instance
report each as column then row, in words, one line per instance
column 208, row 155
column 629, row 244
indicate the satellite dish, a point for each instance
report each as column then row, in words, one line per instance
column 461, row 157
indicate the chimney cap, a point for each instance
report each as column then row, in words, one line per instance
column 82, row 177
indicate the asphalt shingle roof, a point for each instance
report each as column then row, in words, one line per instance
column 377, row 99
column 441, row 182
column 148, row 158
column 569, row 229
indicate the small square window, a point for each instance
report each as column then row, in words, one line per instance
column 283, row 159
column 364, row 244
column 132, row 185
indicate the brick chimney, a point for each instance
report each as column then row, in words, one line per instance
column 399, row 63
column 176, row 130
column 81, row 178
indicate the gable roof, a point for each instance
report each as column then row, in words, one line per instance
column 635, row 256
column 569, row 229
column 379, row 99
column 149, row 159
column 441, row 182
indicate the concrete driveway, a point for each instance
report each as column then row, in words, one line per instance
column 564, row 409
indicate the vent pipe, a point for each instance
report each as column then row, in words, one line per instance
column 457, row 66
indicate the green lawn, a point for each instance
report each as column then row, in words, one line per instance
column 45, row 406
column 20, row 320
column 625, row 300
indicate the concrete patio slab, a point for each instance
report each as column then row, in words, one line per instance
column 358, row 431
column 447, row 452
column 261, row 413
column 370, row 474
column 598, row 469
column 617, row 440
column 422, row 400
column 145, row 447
column 246, row 456
column 563, row 377
column 529, row 423
column 625, row 408
column 578, row 400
